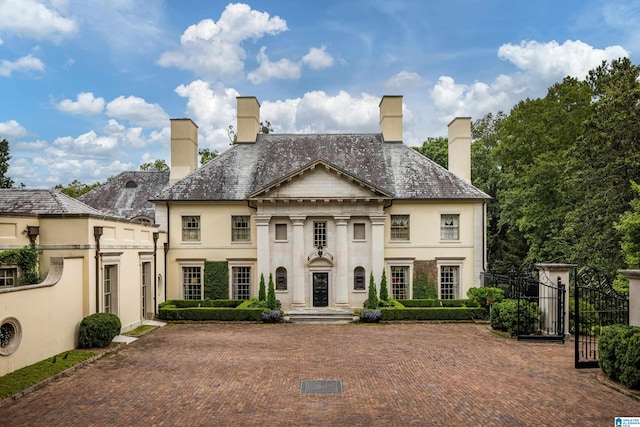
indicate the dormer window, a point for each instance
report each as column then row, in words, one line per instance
column 131, row 184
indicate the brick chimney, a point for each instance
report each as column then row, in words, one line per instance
column 391, row 118
column 460, row 148
column 184, row 149
column 248, row 125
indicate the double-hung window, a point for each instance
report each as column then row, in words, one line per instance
column 400, row 281
column 449, row 281
column 240, row 228
column 450, row 227
column 190, row 228
column 399, row 227
column 192, row 282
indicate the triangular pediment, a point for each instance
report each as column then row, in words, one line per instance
column 320, row 180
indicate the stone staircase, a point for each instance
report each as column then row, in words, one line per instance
column 320, row 315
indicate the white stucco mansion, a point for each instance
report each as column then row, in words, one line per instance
column 321, row 212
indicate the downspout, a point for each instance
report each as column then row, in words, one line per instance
column 156, row 235
column 166, row 249
column 97, row 232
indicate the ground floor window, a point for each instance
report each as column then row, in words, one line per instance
column 110, row 287
column 359, row 279
column 281, row 279
column 241, row 282
column 192, row 282
column 400, row 281
column 449, row 282
column 8, row 276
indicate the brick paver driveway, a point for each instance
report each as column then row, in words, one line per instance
column 392, row 375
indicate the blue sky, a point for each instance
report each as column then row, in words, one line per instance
column 87, row 87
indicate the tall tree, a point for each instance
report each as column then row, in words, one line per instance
column 76, row 188
column 206, row 155
column 629, row 228
column 156, row 165
column 605, row 159
column 5, row 181
column 436, row 149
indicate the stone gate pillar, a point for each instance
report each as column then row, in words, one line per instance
column 549, row 275
column 634, row 295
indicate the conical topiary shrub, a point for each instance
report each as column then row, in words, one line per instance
column 384, row 292
column 262, row 295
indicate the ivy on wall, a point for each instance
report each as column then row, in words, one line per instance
column 216, row 279
column 27, row 261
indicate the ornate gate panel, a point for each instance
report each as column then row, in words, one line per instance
column 541, row 304
column 596, row 304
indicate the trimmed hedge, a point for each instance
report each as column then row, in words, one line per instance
column 437, row 303
column 216, row 280
column 169, row 310
column 98, row 330
column 614, row 344
column 435, row 313
column 189, row 303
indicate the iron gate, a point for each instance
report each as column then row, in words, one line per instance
column 541, row 304
column 596, row 304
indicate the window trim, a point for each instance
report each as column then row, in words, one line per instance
column 279, row 270
column 15, row 278
column 446, row 228
column 450, row 263
column 197, row 229
column 355, row 279
column 397, row 228
column 234, row 229
column 317, row 232
column 364, row 231
column 197, row 265
column 400, row 263
column 286, row 232
column 232, row 290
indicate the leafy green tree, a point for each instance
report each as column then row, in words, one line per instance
column 272, row 303
column 629, row 228
column 76, row 188
column 372, row 299
column 262, row 294
column 157, row 165
column 5, row 181
column 436, row 149
column 206, row 155
column 605, row 158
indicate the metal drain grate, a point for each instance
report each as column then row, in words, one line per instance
column 327, row 387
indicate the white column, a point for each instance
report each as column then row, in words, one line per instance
column 262, row 240
column 549, row 274
column 377, row 246
column 634, row 295
column 342, row 262
column 297, row 262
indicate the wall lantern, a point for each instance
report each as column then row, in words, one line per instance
column 320, row 250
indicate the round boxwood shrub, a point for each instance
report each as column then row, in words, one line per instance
column 630, row 375
column 504, row 315
column 98, row 330
column 613, row 344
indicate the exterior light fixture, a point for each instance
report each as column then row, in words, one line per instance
column 320, row 250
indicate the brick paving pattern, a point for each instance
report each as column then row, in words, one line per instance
column 392, row 375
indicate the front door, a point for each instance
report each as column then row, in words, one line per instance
column 320, row 289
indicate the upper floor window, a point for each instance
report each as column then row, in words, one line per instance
column 240, row 228
column 359, row 279
column 319, row 233
column 281, row 279
column 359, row 231
column 8, row 276
column 191, row 228
column 450, row 227
column 281, row 232
column 399, row 227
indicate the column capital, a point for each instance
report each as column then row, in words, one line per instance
column 298, row 219
column 377, row 219
column 263, row 219
column 342, row 219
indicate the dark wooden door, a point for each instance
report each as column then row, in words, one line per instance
column 320, row 289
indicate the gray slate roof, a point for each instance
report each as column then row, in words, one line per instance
column 247, row 168
column 127, row 195
column 42, row 202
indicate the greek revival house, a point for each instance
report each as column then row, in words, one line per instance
column 321, row 213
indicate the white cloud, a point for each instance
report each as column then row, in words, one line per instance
column 213, row 49
column 318, row 112
column 37, row 145
column 212, row 110
column 88, row 143
column 24, row 64
column 86, row 104
column 267, row 70
column 11, row 129
column 33, row 19
column 555, row 61
column 317, row 59
column 137, row 111
column 404, row 80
